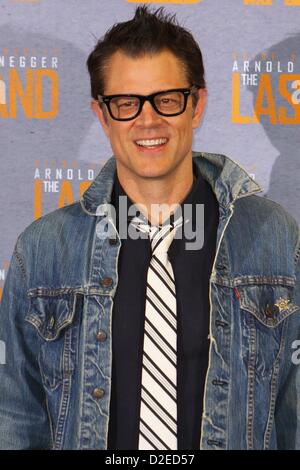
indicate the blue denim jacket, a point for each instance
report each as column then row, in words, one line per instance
column 55, row 323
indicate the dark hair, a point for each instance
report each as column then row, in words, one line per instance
column 149, row 32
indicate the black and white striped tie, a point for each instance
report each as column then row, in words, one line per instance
column 158, row 412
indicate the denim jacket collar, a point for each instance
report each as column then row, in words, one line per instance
column 227, row 178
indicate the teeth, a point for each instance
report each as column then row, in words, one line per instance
column 151, row 143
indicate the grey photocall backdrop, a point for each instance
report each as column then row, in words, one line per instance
column 52, row 146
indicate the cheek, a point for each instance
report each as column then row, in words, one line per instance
column 185, row 124
column 116, row 134
column 185, row 139
column 186, row 131
column 119, row 139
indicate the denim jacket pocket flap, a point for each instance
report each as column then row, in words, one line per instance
column 51, row 314
column 270, row 304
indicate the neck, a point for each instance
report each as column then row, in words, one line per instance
column 157, row 198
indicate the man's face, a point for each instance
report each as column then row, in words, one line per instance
column 143, row 76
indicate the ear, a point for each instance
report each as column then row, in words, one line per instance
column 199, row 108
column 101, row 115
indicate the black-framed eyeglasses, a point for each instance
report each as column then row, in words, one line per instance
column 167, row 103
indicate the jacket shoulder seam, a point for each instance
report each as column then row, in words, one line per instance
column 20, row 262
column 297, row 252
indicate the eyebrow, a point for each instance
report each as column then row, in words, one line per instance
column 152, row 93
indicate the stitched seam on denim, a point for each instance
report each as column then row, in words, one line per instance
column 20, row 261
column 97, row 261
column 110, row 359
column 245, row 280
column 211, row 329
column 49, row 292
column 33, row 320
column 84, row 425
column 37, row 322
column 279, row 318
column 225, row 256
column 67, row 381
column 44, row 376
column 97, row 249
column 230, row 381
column 274, row 381
column 297, row 252
column 50, row 423
column 251, row 378
column 66, row 389
column 239, row 281
column 86, row 435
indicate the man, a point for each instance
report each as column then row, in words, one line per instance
column 154, row 341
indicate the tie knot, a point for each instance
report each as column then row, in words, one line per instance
column 160, row 237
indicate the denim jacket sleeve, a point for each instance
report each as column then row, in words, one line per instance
column 287, row 410
column 24, row 422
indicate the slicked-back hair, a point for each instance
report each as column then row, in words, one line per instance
column 148, row 32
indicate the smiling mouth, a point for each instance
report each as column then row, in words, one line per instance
column 151, row 143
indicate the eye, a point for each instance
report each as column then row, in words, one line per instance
column 167, row 100
column 126, row 103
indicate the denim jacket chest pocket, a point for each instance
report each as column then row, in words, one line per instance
column 265, row 310
column 55, row 319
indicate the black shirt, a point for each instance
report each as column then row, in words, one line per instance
column 192, row 269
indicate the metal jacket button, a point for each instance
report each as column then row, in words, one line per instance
column 101, row 335
column 106, row 281
column 98, row 392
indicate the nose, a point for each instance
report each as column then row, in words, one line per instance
column 148, row 115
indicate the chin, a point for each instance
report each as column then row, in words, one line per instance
column 154, row 173
column 155, row 166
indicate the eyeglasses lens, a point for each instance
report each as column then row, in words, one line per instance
column 125, row 107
